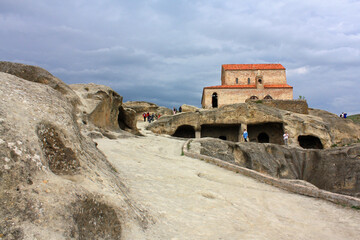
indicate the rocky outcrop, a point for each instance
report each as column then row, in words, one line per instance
column 140, row 107
column 55, row 183
column 189, row 108
column 318, row 129
column 296, row 106
column 336, row 170
column 102, row 107
column 39, row 75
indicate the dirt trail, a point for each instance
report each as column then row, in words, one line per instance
column 191, row 199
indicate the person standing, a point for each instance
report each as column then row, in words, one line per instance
column 286, row 138
column 144, row 115
column 245, row 135
column 152, row 117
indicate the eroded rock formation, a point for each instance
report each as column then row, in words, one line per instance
column 39, row 75
column 52, row 175
column 103, row 107
column 336, row 170
column 189, row 108
column 317, row 129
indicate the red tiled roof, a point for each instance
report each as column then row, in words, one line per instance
column 267, row 66
column 278, row 86
column 231, row 86
column 248, row 86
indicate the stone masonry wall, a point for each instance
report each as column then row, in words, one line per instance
column 268, row 77
column 232, row 96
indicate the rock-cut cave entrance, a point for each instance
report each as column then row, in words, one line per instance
column 310, row 142
column 228, row 132
column 122, row 119
column 271, row 132
column 185, row 131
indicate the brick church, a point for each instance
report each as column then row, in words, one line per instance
column 240, row 82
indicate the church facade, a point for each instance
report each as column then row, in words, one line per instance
column 240, row 82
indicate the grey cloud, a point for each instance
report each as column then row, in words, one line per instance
column 167, row 51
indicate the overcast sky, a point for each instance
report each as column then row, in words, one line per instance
column 166, row 51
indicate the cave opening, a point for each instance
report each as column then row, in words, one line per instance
column 310, row 142
column 122, row 119
column 268, row 132
column 185, row 131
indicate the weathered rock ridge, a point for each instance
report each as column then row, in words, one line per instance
column 39, row 75
column 336, row 170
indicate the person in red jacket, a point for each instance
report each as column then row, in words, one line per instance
column 144, row 115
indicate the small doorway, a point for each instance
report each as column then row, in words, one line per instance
column 214, row 100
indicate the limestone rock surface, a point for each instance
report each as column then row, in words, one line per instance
column 102, row 107
column 39, row 75
column 189, row 108
column 55, row 183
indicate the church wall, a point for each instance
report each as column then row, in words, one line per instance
column 268, row 77
column 231, row 96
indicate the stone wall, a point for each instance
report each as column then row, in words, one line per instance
column 268, row 77
column 230, row 96
column 297, row 106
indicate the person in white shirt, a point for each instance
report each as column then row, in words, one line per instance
column 286, row 137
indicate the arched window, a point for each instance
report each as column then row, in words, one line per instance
column 259, row 81
column 268, row 97
column 214, row 100
column 254, row 97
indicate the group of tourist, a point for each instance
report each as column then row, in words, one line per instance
column 175, row 111
column 343, row 115
column 150, row 117
column 246, row 137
